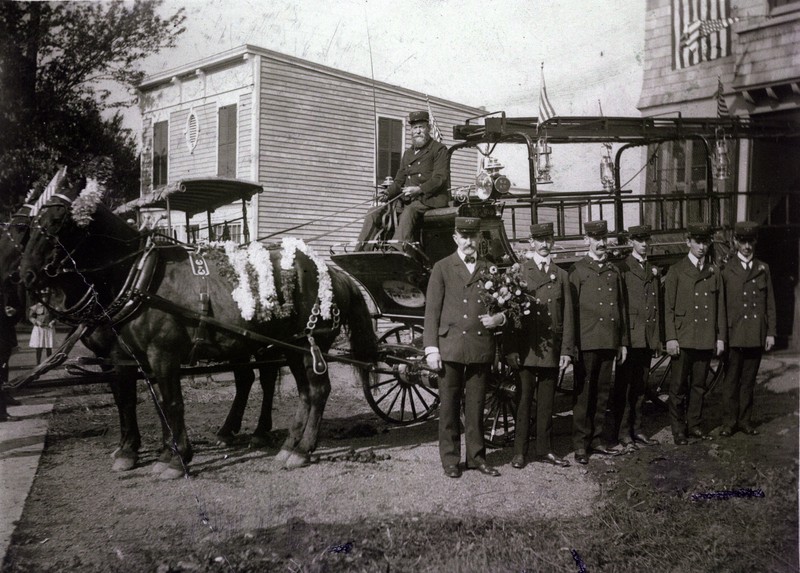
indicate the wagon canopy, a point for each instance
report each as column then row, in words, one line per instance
column 194, row 195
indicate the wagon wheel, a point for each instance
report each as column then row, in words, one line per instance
column 397, row 389
column 501, row 405
column 659, row 375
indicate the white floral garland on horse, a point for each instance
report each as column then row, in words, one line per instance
column 257, row 257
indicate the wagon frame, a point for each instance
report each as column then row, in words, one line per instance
column 396, row 280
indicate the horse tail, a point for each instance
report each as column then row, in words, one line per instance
column 357, row 318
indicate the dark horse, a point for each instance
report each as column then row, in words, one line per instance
column 101, row 340
column 163, row 315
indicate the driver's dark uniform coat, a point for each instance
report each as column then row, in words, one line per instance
column 427, row 169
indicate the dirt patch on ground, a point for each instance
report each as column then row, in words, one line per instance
column 238, row 511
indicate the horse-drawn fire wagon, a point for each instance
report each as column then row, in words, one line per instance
column 400, row 387
column 402, row 390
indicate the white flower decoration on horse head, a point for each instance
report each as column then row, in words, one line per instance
column 85, row 205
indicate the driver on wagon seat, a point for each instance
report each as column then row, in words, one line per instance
column 421, row 180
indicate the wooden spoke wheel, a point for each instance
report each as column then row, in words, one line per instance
column 501, row 406
column 398, row 390
column 657, row 388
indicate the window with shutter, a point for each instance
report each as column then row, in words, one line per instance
column 160, row 151
column 226, row 162
column 390, row 148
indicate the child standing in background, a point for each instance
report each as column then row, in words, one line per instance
column 43, row 327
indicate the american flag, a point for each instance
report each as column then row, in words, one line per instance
column 435, row 133
column 546, row 110
column 49, row 190
column 722, row 105
column 700, row 31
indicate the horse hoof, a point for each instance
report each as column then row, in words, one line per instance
column 159, row 467
column 296, row 460
column 258, row 442
column 282, row 456
column 171, row 473
column 123, row 464
column 225, row 439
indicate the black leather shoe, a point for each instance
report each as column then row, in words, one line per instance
column 551, row 458
column 518, row 462
column 644, row 440
column 699, row 434
column 452, row 471
column 606, row 451
column 749, row 430
column 487, row 470
column 680, row 440
column 726, row 432
column 581, row 457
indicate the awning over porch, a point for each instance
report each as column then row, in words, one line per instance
column 194, row 195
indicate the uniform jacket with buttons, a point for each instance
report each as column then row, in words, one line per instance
column 750, row 303
column 642, row 286
column 549, row 331
column 453, row 305
column 694, row 305
column 597, row 296
column 426, row 168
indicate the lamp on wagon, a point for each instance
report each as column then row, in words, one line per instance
column 543, row 161
column 721, row 161
column 489, row 184
column 607, row 169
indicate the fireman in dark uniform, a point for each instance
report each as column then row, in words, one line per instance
column 751, row 328
column 602, row 336
column 421, row 180
column 458, row 336
column 544, row 345
column 642, row 285
column 695, row 329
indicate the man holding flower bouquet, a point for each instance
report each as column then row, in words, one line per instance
column 602, row 336
column 458, row 338
column 543, row 345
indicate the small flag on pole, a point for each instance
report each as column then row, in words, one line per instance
column 49, row 190
column 546, row 110
column 435, row 133
column 722, row 106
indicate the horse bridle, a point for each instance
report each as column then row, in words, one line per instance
column 54, row 267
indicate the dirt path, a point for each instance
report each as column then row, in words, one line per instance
column 80, row 516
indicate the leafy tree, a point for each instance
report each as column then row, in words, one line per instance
column 58, row 64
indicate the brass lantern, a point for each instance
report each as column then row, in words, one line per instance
column 721, row 162
column 543, row 161
column 607, row 169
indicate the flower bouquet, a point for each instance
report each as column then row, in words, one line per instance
column 504, row 291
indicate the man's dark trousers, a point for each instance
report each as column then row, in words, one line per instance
column 469, row 381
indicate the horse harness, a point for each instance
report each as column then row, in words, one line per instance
column 89, row 313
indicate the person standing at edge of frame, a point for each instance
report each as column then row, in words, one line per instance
column 8, row 342
column 602, row 335
column 751, row 328
column 641, row 282
column 695, row 328
column 458, row 337
column 544, row 345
